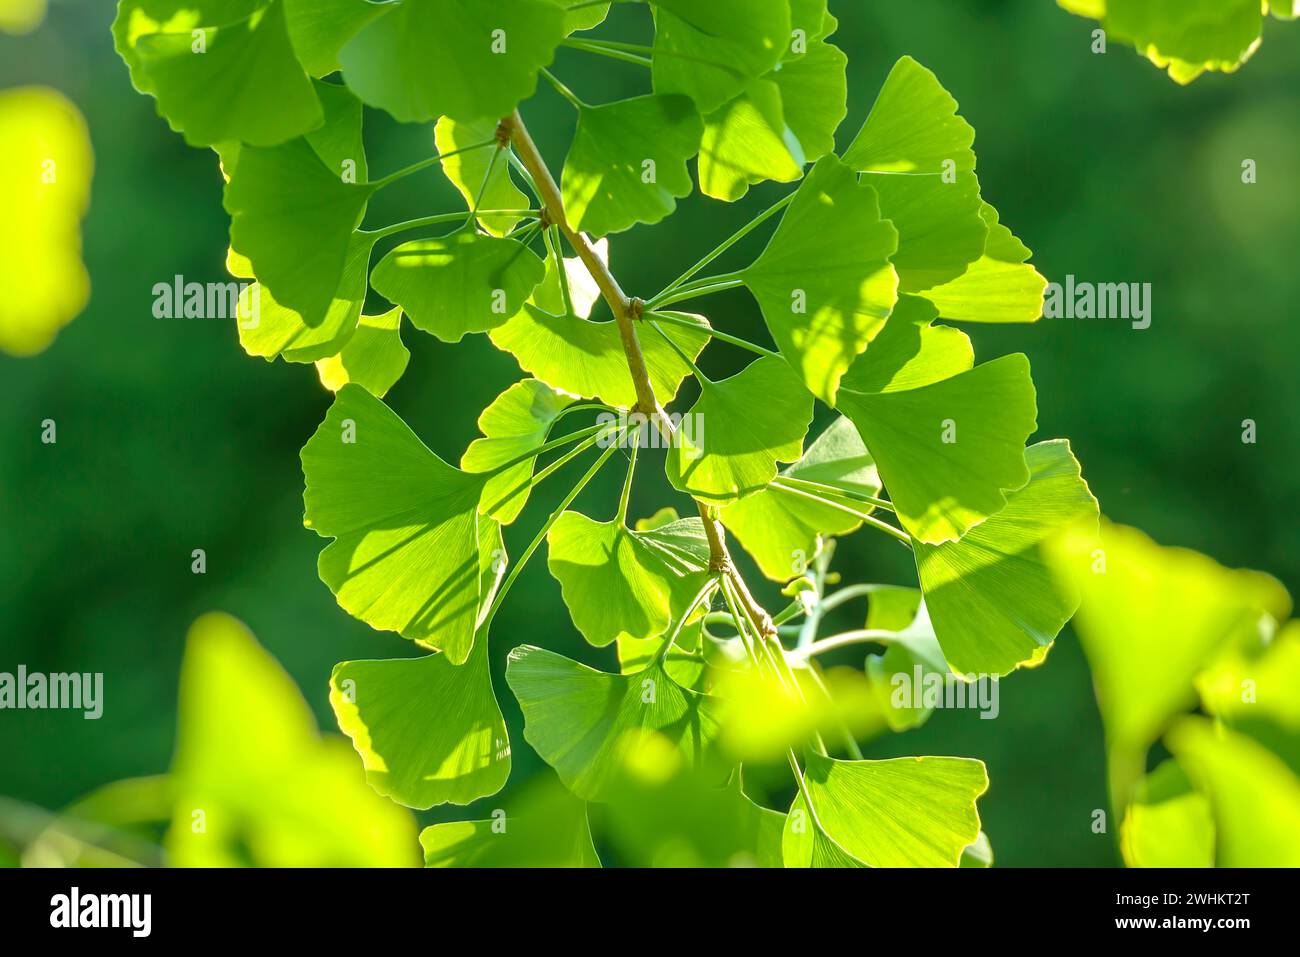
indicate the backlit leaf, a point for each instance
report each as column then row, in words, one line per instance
column 1000, row 286
column 374, row 357
column 469, row 170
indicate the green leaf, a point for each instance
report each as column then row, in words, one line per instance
column 1255, row 797
column 914, row 127
column 912, row 651
column 992, row 596
column 406, row 551
column 738, row 430
column 586, row 358
column 586, row 17
column 587, row 724
column 319, row 29
column 464, row 282
column 249, row 755
column 711, row 52
column 428, row 731
column 780, row 528
column 374, row 357
column 1251, row 689
column 294, row 209
column 1188, row 36
column 824, row 282
column 627, row 164
column 232, row 78
column 814, row 95
column 269, row 329
column 517, row 421
column 940, row 229
column 474, row 170
column 40, row 246
column 746, row 141
column 545, row 827
column 618, row 583
column 583, row 291
column 1152, row 618
column 947, row 451
column 446, row 57
column 1000, row 286
column 910, row 352
column 1169, row 824
column 904, row 812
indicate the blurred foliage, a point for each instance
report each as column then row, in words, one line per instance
column 170, row 438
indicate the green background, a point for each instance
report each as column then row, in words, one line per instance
column 170, row 438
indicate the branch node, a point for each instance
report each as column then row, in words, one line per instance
column 635, row 308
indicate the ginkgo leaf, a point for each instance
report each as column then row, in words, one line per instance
column 824, row 282
column 618, row 583
column 545, row 827
column 814, row 97
column 713, row 51
column 1251, row 689
column 474, row 172
column 992, row 597
column 45, row 171
column 257, row 766
column 1000, row 286
column 1151, row 618
column 911, row 651
column 428, row 731
column 405, row 555
column 627, row 164
column 517, row 421
column 910, row 352
column 319, row 29
column 1169, row 823
column 584, row 293
column 446, row 57
column 947, row 452
column 586, row 358
column 904, row 812
column 373, row 357
column 269, row 329
column 940, row 229
column 293, row 211
column 913, row 127
column 738, row 430
column 746, row 141
column 1188, row 37
column 1254, row 795
column 232, row 78
column 779, row 526
column 464, row 282
column 585, row 17
column 585, row 723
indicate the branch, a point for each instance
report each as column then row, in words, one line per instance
column 626, row 310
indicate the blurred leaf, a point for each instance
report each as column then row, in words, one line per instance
column 405, row 555
column 250, row 770
column 1168, row 824
column 428, row 731
column 1188, row 36
column 21, row 16
column 45, row 171
column 948, row 451
column 738, row 430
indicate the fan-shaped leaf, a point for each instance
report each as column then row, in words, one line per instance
column 910, row 352
column 374, row 357
column 1000, row 286
column 746, row 141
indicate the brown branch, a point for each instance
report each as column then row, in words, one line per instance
column 626, row 310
